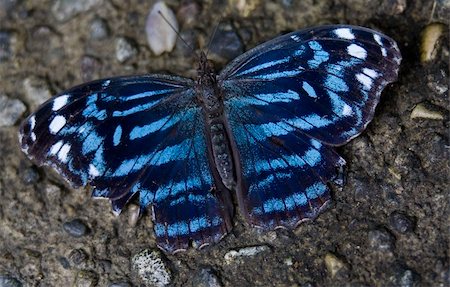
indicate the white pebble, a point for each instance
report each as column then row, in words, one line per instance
column 233, row 255
column 151, row 268
column 160, row 36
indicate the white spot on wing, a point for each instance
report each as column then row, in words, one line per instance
column 57, row 124
column 344, row 33
column 32, row 122
column 63, row 152
column 347, row 110
column 55, row 148
column 93, row 171
column 364, row 80
column 60, row 102
column 295, row 38
column 357, row 51
column 371, row 73
column 33, row 136
column 377, row 39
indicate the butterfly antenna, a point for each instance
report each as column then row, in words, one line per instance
column 178, row 34
column 213, row 35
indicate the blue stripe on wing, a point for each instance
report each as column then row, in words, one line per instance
column 327, row 79
column 286, row 173
column 289, row 100
column 135, row 137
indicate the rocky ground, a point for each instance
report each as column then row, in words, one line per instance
column 387, row 227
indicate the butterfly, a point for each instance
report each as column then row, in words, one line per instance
column 258, row 137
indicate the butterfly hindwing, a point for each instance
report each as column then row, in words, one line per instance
column 292, row 98
column 134, row 137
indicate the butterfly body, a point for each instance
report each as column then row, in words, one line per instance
column 263, row 131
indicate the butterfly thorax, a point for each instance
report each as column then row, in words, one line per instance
column 210, row 98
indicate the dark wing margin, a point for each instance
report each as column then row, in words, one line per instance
column 134, row 137
column 289, row 101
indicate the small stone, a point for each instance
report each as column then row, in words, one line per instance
column 430, row 41
column 134, row 212
column 30, row 176
column 233, row 255
column 206, row 278
column 421, row 111
column 78, row 256
column 381, row 240
column 188, row 12
column 119, row 284
column 393, row 7
column 400, row 222
column 6, row 51
column 99, row 29
column 10, row 111
column 6, row 6
column 36, row 91
column 105, row 265
column 64, row 262
column 190, row 37
column 161, row 37
column 86, row 278
column 76, row 228
column 226, row 44
column 333, row 264
column 64, row 10
column 8, row 281
column 403, row 277
column 150, row 267
column 90, row 68
column 125, row 49
column 245, row 7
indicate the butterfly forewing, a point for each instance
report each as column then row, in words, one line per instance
column 134, row 136
column 289, row 100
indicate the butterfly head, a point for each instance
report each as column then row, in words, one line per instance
column 205, row 70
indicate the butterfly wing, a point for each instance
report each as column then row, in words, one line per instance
column 134, row 136
column 289, row 101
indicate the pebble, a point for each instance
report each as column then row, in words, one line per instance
column 226, row 44
column 233, row 255
column 6, row 6
column 133, row 214
column 206, row 278
column 245, row 7
column 381, row 240
column 190, row 37
column 76, row 228
column 90, row 68
column 404, row 277
column 125, row 49
column 401, row 222
column 78, row 256
column 393, row 7
column 64, row 10
column 86, row 278
column 36, row 91
column 10, row 111
column 29, row 175
column 429, row 44
column 151, row 268
column 333, row 264
column 421, row 111
column 160, row 36
column 8, row 281
column 99, row 29
column 120, row 284
column 6, row 39
column 188, row 12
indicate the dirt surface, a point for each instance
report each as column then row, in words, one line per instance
column 387, row 227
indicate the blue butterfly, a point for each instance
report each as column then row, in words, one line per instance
column 260, row 133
